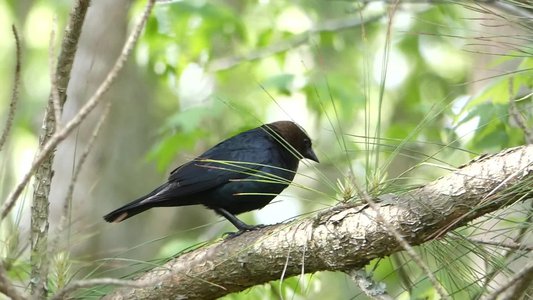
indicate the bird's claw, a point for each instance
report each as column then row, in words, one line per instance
column 230, row 235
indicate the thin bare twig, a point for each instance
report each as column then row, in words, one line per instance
column 68, row 199
column 527, row 271
column 81, row 115
column 519, row 289
column 54, row 93
column 66, row 215
column 14, row 92
column 502, row 244
column 517, row 240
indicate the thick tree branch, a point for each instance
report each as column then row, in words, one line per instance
column 343, row 238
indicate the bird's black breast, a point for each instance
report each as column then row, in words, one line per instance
column 251, row 192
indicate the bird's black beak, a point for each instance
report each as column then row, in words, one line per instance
column 311, row 154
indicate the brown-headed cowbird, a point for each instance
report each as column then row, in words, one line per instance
column 240, row 174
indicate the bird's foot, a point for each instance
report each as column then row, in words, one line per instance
column 243, row 229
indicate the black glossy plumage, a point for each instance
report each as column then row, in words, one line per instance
column 240, row 174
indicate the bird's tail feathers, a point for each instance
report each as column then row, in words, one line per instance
column 131, row 209
column 127, row 211
column 157, row 198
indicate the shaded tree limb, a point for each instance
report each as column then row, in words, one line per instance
column 343, row 239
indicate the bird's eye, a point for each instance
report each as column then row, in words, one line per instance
column 307, row 142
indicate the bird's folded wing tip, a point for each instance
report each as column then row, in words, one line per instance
column 118, row 219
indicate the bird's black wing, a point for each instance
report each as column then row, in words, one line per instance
column 236, row 158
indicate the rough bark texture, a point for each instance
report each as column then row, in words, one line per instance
column 344, row 237
column 44, row 174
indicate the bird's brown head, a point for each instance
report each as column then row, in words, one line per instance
column 288, row 132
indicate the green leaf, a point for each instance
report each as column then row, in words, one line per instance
column 283, row 83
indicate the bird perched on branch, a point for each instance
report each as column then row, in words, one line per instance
column 240, row 174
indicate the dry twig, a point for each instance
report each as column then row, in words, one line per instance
column 68, row 199
column 14, row 92
column 527, row 271
column 54, row 93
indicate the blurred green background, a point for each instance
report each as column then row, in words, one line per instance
column 393, row 97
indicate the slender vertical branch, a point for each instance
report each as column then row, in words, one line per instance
column 44, row 172
column 14, row 93
column 54, row 93
column 69, row 46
